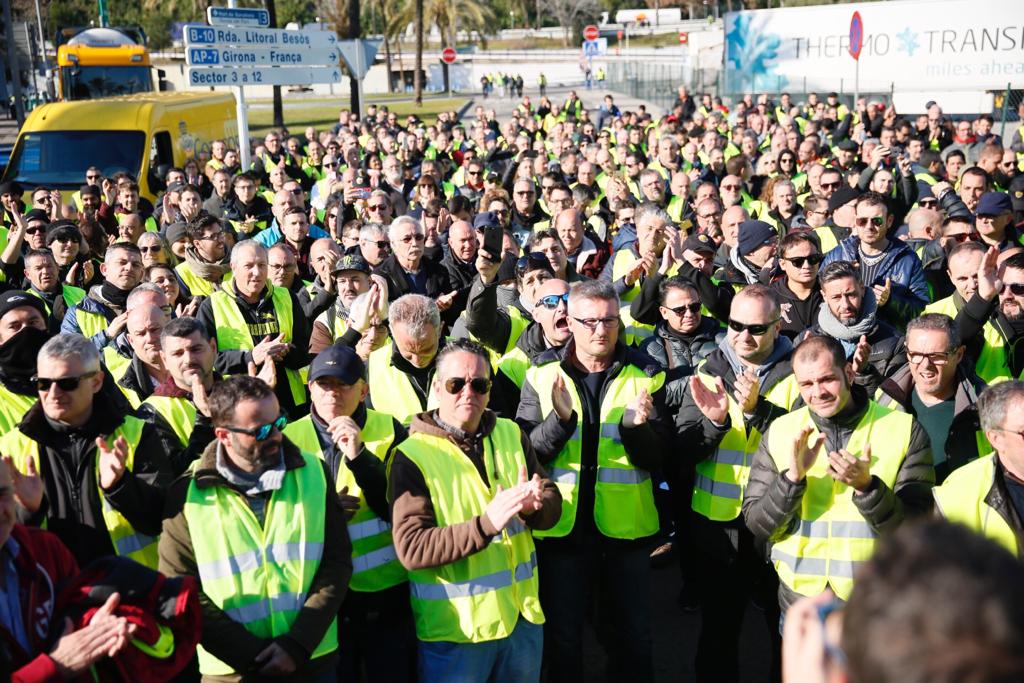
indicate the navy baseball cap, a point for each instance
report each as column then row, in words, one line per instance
column 338, row 361
column 486, row 219
column 699, row 243
column 994, row 204
column 753, row 234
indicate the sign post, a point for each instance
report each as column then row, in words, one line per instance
column 237, row 49
column 358, row 55
column 856, row 44
column 448, row 57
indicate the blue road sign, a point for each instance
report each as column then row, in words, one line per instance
column 238, row 16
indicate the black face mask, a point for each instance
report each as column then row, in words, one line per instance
column 18, row 357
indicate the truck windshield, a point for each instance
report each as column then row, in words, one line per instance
column 60, row 158
column 89, row 82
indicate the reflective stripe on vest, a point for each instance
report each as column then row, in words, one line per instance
column 374, row 559
column 623, row 494
column 481, row 597
column 961, row 498
column 391, row 390
column 233, row 332
column 831, row 538
column 722, row 478
column 127, row 542
column 259, row 574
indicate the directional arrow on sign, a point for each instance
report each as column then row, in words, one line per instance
column 359, row 55
column 248, row 75
column 262, row 56
column 219, row 36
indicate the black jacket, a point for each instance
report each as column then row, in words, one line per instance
column 961, row 444
column 971, row 321
column 437, row 281
column 315, row 300
column 460, row 278
column 72, row 507
column 888, row 353
column 798, row 315
column 646, row 445
column 771, row 502
column 716, row 296
column 505, row 395
column 262, row 323
column 136, row 379
column 679, row 354
column 485, row 320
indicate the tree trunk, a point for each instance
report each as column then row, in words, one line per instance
column 353, row 33
column 271, row 7
column 387, row 43
column 417, row 77
column 536, row 18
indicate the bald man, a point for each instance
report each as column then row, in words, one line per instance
column 137, row 375
column 284, row 200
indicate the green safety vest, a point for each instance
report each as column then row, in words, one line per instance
column 636, row 331
column 259, row 575
column 375, row 564
column 13, row 407
column 72, row 296
column 675, row 209
column 623, row 494
column 992, row 366
column 962, row 499
column 391, row 390
column 945, row 306
column 830, row 537
column 514, row 365
column 149, row 224
column 827, row 238
column 118, row 366
column 197, row 285
column 127, row 542
column 480, row 597
column 178, row 413
column 233, row 332
column 89, row 322
column 722, row 478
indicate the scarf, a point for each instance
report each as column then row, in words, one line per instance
column 211, row 272
column 113, row 295
column 849, row 335
column 783, row 347
column 743, row 266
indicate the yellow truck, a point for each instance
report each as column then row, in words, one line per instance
column 102, row 62
column 136, row 133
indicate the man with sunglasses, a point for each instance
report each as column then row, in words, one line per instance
column 593, row 411
column 466, row 489
column 93, row 474
column 206, row 266
column 888, row 266
column 26, row 233
column 986, row 495
column 831, row 477
column 739, row 389
column 376, row 629
column 798, row 289
column 991, row 322
column 254, row 494
column 249, row 212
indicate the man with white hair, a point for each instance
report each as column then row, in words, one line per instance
column 93, row 474
column 407, row 271
column 255, row 322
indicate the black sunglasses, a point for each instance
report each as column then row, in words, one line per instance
column 693, row 308
column 1016, row 288
column 799, row 261
column 478, row 385
column 756, row 330
column 154, row 249
column 263, row 432
column 64, row 383
column 551, row 300
column 34, row 231
column 962, row 237
column 862, row 221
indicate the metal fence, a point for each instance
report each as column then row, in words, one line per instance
column 658, row 82
column 1006, row 113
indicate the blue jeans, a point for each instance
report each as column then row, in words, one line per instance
column 515, row 659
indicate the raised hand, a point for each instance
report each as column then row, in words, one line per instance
column 746, row 391
column 861, row 354
column 989, row 285
column 882, row 292
column 638, row 410
column 200, row 397
column 804, row 454
column 111, row 461
column 714, row 404
column 506, row 506
column 272, row 347
column 117, row 325
column 267, row 372
column 28, row 486
column 347, row 435
column 561, row 399
column 848, row 469
column 487, row 268
column 104, row 636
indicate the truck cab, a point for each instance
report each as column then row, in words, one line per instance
column 102, row 62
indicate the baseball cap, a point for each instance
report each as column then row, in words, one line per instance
column 338, row 361
column 175, row 231
column 486, row 219
column 843, row 196
column 351, row 262
column 1017, row 193
column 848, row 146
column 699, row 243
column 16, row 298
column 994, row 204
column 753, row 234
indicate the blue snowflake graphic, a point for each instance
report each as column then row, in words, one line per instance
column 907, row 41
column 751, row 53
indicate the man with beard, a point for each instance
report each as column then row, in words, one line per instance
column 27, row 232
column 44, row 282
column 962, row 266
column 737, row 392
column 22, row 333
column 798, row 290
column 753, row 259
column 206, row 267
column 994, row 220
column 829, row 478
column 992, row 321
column 351, row 277
column 940, row 391
column 101, row 315
column 249, row 213
column 889, row 267
column 253, row 493
column 849, row 315
column 252, row 321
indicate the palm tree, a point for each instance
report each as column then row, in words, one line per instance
column 471, row 15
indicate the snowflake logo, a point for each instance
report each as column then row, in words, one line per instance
column 907, row 41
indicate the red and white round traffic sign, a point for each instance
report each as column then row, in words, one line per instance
column 684, row 37
column 448, row 55
column 590, row 32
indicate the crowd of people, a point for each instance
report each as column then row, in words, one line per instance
column 408, row 401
